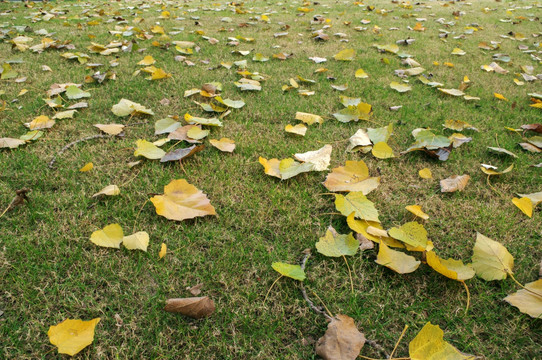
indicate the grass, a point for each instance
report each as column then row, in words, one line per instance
column 50, row 271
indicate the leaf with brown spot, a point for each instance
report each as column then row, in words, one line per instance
column 195, row 307
column 180, row 154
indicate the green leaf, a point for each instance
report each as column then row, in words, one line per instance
column 336, row 245
column 288, row 270
column 73, row 93
column 356, row 202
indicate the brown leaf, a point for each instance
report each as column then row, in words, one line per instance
column 181, row 134
column 20, row 197
column 196, row 289
column 533, row 127
column 454, row 183
column 195, row 307
column 342, row 340
column 182, row 153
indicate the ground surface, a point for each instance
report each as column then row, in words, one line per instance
column 49, row 270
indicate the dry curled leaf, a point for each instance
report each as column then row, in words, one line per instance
column 454, row 183
column 195, row 307
column 342, row 340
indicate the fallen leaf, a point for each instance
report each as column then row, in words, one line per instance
column 425, row 173
column 40, row 122
column 536, row 198
column 88, row 166
column 182, row 153
column 126, row 107
column 163, row 250
column 136, row 241
column 491, row 260
column 224, row 144
column 298, row 129
column 528, row 300
column 361, row 74
column 413, row 234
column 196, row 307
column 396, row 260
column 345, row 55
column 196, row 289
column 308, row 119
column 336, row 245
column 502, row 151
column 417, row 210
column 400, row 87
column 356, row 202
column 451, row 268
column 525, row 205
column 429, row 344
column 72, row 336
column 110, row 190
column 148, row 150
column 111, row 129
column 292, row 271
column 110, row 236
column 381, row 150
column 319, row 158
column 271, row 166
column 454, row 183
column 342, row 340
column 182, row 201
column 11, row 143
column 354, row 176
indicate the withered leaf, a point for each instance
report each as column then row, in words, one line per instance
column 194, row 307
column 454, row 183
column 180, row 154
column 342, row 340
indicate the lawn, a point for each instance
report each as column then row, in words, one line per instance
column 51, row 271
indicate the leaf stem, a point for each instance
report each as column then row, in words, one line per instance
column 325, row 307
column 468, row 295
column 349, row 274
column 268, row 291
column 523, row 287
column 398, row 341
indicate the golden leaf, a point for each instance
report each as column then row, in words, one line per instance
column 525, row 205
column 425, row 173
column 72, row 336
column 417, row 210
column 148, row 150
column 110, row 236
column 528, row 300
column 163, row 250
column 182, row 201
column 429, row 344
column 354, row 176
column 359, row 204
column 451, row 268
column 224, row 144
column 396, row 260
column 381, row 150
column 138, row 240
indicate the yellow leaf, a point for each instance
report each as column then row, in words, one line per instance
column 491, row 260
column 362, row 227
column 458, row 51
column 396, row 260
column 224, row 144
column 354, row 176
column 271, row 166
column 197, row 133
column 299, row 129
column 158, row 74
column 500, row 96
column 289, row 168
column 138, row 240
column 126, row 107
column 72, row 336
column 148, row 150
column 110, row 190
column 40, row 122
column 345, row 55
column 528, row 300
column 109, row 236
column 453, row 92
column 361, row 74
column 425, row 173
column 11, row 143
column 308, row 119
column 336, row 245
column 182, row 201
column 413, row 234
column 417, row 210
column 451, row 268
column 525, row 205
column 536, row 197
column 381, row 150
column 87, row 167
column 493, row 172
column 400, row 87
column 359, row 204
column 111, row 129
column 163, row 250
column 429, row 344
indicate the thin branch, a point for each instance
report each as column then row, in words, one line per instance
column 398, row 341
column 304, row 292
column 53, row 160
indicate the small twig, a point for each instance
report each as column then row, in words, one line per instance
column 377, row 347
column 53, row 160
column 325, row 307
column 304, row 291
